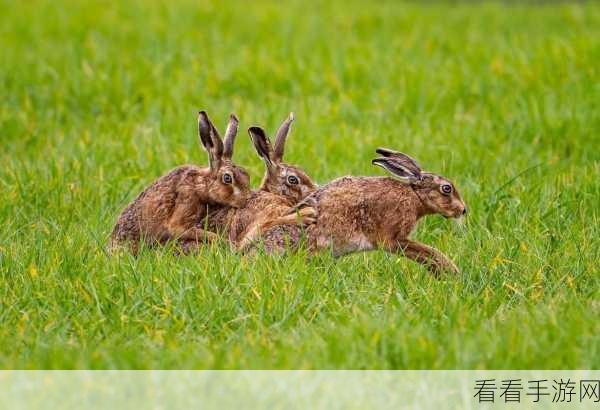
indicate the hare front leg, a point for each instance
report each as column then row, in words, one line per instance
column 189, row 239
column 303, row 217
column 435, row 261
column 182, row 226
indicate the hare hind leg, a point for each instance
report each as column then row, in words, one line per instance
column 279, row 239
column 435, row 261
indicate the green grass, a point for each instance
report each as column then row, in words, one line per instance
column 100, row 98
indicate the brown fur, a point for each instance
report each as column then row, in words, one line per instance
column 170, row 208
column 272, row 204
column 366, row 213
column 279, row 176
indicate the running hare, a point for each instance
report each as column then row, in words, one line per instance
column 366, row 213
column 170, row 208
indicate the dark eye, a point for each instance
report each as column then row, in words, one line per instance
column 227, row 179
column 292, row 180
column 446, row 189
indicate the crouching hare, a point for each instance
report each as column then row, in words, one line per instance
column 282, row 187
column 367, row 213
column 170, row 208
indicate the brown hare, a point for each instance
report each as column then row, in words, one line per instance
column 283, row 186
column 171, row 207
column 280, row 178
column 367, row 213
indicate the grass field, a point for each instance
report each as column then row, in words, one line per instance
column 100, row 98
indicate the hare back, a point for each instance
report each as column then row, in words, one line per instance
column 359, row 213
column 148, row 213
column 355, row 214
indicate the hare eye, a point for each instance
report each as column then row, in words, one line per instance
column 292, row 180
column 227, row 179
column 446, row 189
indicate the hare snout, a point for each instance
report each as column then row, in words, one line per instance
column 240, row 197
column 455, row 213
column 459, row 211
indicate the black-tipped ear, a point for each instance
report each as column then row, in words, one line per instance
column 397, row 169
column 204, row 130
column 386, row 152
column 209, row 137
column 230, row 134
column 401, row 159
column 262, row 145
column 281, row 136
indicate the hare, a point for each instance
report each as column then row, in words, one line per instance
column 280, row 178
column 283, row 186
column 367, row 213
column 170, row 208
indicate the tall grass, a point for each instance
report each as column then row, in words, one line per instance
column 99, row 98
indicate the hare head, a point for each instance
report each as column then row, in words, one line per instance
column 280, row 178
column 437, row 194
column 228, row 183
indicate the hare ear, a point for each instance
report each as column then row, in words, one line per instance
column 397, row 169
column 386, row 152
column 401, row 159
column 230, row 134
column 262, row 145
column 209, row 137
column 280, row 137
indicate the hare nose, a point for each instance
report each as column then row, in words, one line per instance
column 464, row 212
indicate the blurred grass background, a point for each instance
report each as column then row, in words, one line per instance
column 99, row 98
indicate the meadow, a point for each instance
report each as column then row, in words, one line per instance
column 100, row 98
